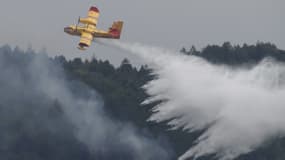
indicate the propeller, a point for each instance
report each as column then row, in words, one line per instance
column 77, row 23
column 78, row 20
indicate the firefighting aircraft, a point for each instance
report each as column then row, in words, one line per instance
column 88, row 29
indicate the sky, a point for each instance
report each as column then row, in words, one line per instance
column 164, row 23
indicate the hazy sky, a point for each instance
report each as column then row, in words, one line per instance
column 166, row 23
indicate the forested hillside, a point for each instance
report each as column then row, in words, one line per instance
column 122, row 94
column 236, row 54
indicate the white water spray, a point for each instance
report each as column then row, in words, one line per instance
column 239, row 109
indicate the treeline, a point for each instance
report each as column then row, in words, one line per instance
column 235, row 54
column 122, row 93
column 121, row 89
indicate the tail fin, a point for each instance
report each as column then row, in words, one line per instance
column 116, row 29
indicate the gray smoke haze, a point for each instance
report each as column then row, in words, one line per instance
column 238, row 109
column 30, row 87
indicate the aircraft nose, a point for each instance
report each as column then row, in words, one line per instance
column 67, row 29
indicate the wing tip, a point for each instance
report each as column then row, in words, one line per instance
column 94, row 9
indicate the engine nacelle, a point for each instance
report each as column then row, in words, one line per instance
column 85, row 40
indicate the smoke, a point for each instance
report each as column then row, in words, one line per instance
column 31, row 84
column 238, row 109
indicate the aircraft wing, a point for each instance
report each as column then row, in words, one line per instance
column 87, row 33
column 114, row 32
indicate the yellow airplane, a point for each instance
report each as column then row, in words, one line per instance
column 88, row 30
